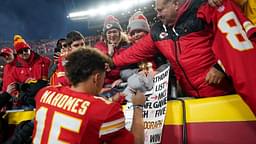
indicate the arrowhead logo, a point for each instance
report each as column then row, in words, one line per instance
column 108, row 26
column 163, row 35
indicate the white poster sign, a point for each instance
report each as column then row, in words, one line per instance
column 154, row 108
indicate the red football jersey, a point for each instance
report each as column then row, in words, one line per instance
column 66, row 116
column 235, row 46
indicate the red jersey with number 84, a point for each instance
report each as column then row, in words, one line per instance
column 235, row 46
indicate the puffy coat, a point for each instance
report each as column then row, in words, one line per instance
column 187, row 46
column 7, row 71
column 36, row 68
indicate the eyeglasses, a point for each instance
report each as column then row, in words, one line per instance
column 22, row 51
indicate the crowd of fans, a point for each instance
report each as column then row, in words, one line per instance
column 46, row 47
column 80, row 79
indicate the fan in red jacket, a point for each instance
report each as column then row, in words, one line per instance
column 192, row 33
column 188, row 48
column 114, row 42
column 9, row 57
column 29, row 66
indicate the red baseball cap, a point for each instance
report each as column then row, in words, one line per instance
column 6, row 50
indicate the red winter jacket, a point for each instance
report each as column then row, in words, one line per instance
column 35, row 69
column 7, row 71
column 187, row 46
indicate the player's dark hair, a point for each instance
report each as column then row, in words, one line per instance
column 83, row 62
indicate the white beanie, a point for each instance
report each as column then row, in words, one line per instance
column 138, row 22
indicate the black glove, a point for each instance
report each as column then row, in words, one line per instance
column 27, row 96
column 22, row 134
column 4, row 99
column 34, row 88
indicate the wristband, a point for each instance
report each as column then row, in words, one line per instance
column 138, row 106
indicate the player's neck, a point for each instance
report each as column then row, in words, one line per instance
column 84, row 88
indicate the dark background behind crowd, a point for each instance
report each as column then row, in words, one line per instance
column 47, row 19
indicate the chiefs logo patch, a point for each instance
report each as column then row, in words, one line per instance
column 108, row 26
column 163, row 35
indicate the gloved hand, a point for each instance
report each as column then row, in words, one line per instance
column 138, row 82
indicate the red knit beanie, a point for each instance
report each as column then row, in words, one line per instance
column 19, row 43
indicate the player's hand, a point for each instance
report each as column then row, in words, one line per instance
column 215, row 3
column 214, row 76
column 104, row 90
column 139, row 98
column 118, row 97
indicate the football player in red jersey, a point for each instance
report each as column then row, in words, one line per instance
column 77, row 115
